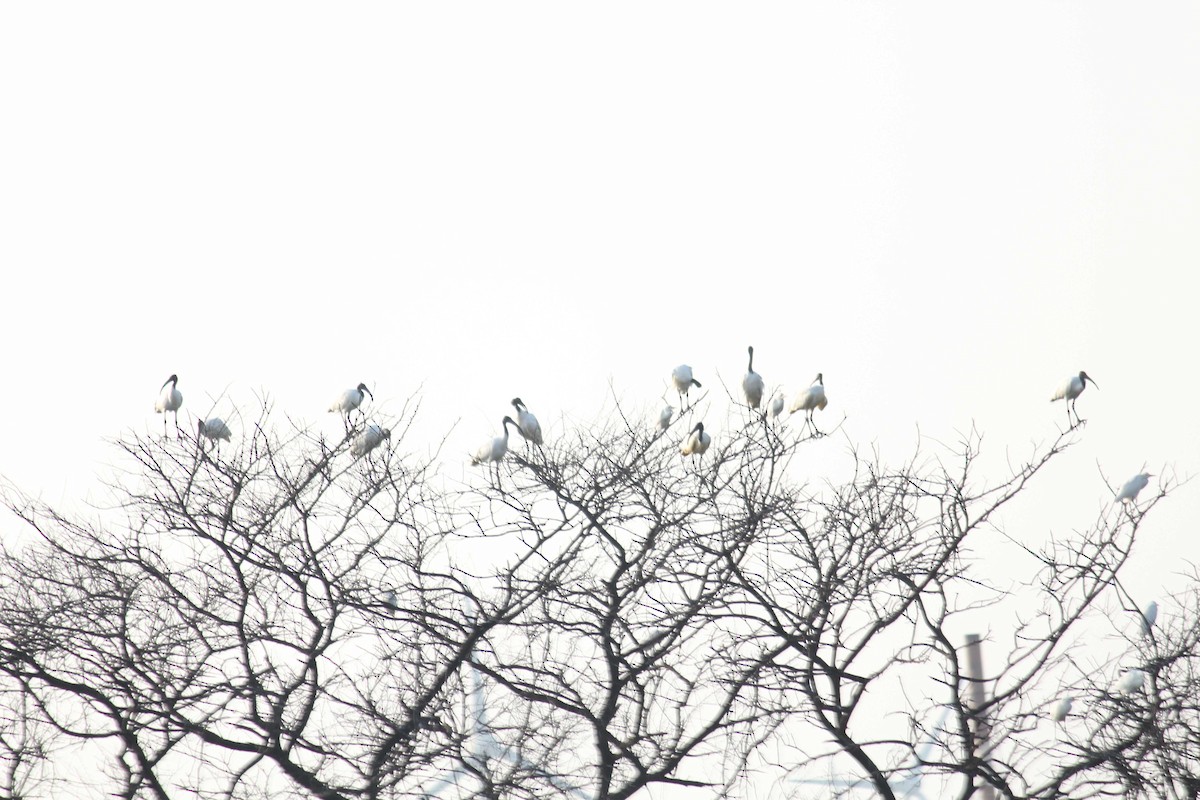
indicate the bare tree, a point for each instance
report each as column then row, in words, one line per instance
column 286, row 617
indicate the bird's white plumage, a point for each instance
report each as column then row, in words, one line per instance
column 170, row 398
column 350, row 399
column 1072, row 387
column 664, row 417
column 215, row 428
column 1149, row 615
column 752, row 383
column 1062, row 708
column 681, row 376
column 1132, row 487
column 811, row 398
column 777, row 405
column 696, row 442
column 1131, row 681
column 494, row 450
column 527, row 423
column 368, row 440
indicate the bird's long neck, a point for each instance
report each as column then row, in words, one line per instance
column 750, row 366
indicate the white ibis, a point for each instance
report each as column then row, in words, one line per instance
column 169, row 399
column 527, row 423
column 1070, row 389
column 368, row 440
column 1129, row 491
column 811, row 399
column 350, row 399
column 664, row 417
column 1149, row 616
column 1131, row 681
column 215, row 430
column 681, row 376
column 696, row 443
column 494, row 449
column 752, row 383
column 1062, row 708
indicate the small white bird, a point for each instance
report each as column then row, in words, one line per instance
column 527, row 423
column 777, row 405
column 350, row 399
column 494, row 449
column 752, row 384
column 368, row 440
column 1129, row 491
column 169, row 399
column 681, row 376
column 811, row 399
column 1149, row 616
column 1131, row 681
column 697, row 441
column 664, row 417
column 1062, row 708
column 215, row 430
column 1070, row 389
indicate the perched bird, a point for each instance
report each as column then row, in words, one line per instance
column 494, row 449
column 1062, row 708
column 752, row 384
column 215, row 429
column 681, row 376
column 1071, row 388
column 1131, row 681
column 811, row 399
column 390, row 600
column 1129, row 491
column 368, row 440
column 350, row 399
column 527, row 423
column 664, row 417
column 697, row 441
column 1149, row 616
column 169, row 399
column 777, row 405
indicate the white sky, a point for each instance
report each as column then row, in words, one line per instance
column 947, row 208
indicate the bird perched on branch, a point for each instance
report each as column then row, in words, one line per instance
column 494, row 450
column 527, row 423
column 169, row 399
column 681, row 376
column 696, row 443
column 1071, row 388
column 1132, row 487
column 810, row 400
column 1062, row 708
column 350, row 400
column 215, row 430
column 752, row 383
column 368, row 440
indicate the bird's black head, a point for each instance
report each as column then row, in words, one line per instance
column 172, row 380
column 517, row 403
column 506, row 421
column 820, row 378
column 699, row 427
column 1083, row 376
column 362, row 387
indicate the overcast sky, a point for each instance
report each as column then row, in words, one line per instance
column 946, row 208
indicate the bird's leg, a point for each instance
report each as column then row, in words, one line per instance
column 164, row 425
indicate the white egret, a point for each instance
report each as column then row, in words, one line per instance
column 368, row 440
column 1062, row 708
column 696, row 443
column 1149, row 616
column 777, row 405
column 1070, row 389
column 494, row 449
column 169, row 399
column 1131, row 681
column 1129, row 491
column 752, row 384
column 527, row 423
column 664, row 417
column 350, row 399
column 681, row 376
column 811, row 399
column 215, row 430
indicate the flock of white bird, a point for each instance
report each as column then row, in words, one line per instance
column 696, row 443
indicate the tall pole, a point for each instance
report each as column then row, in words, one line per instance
column 979, row 725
